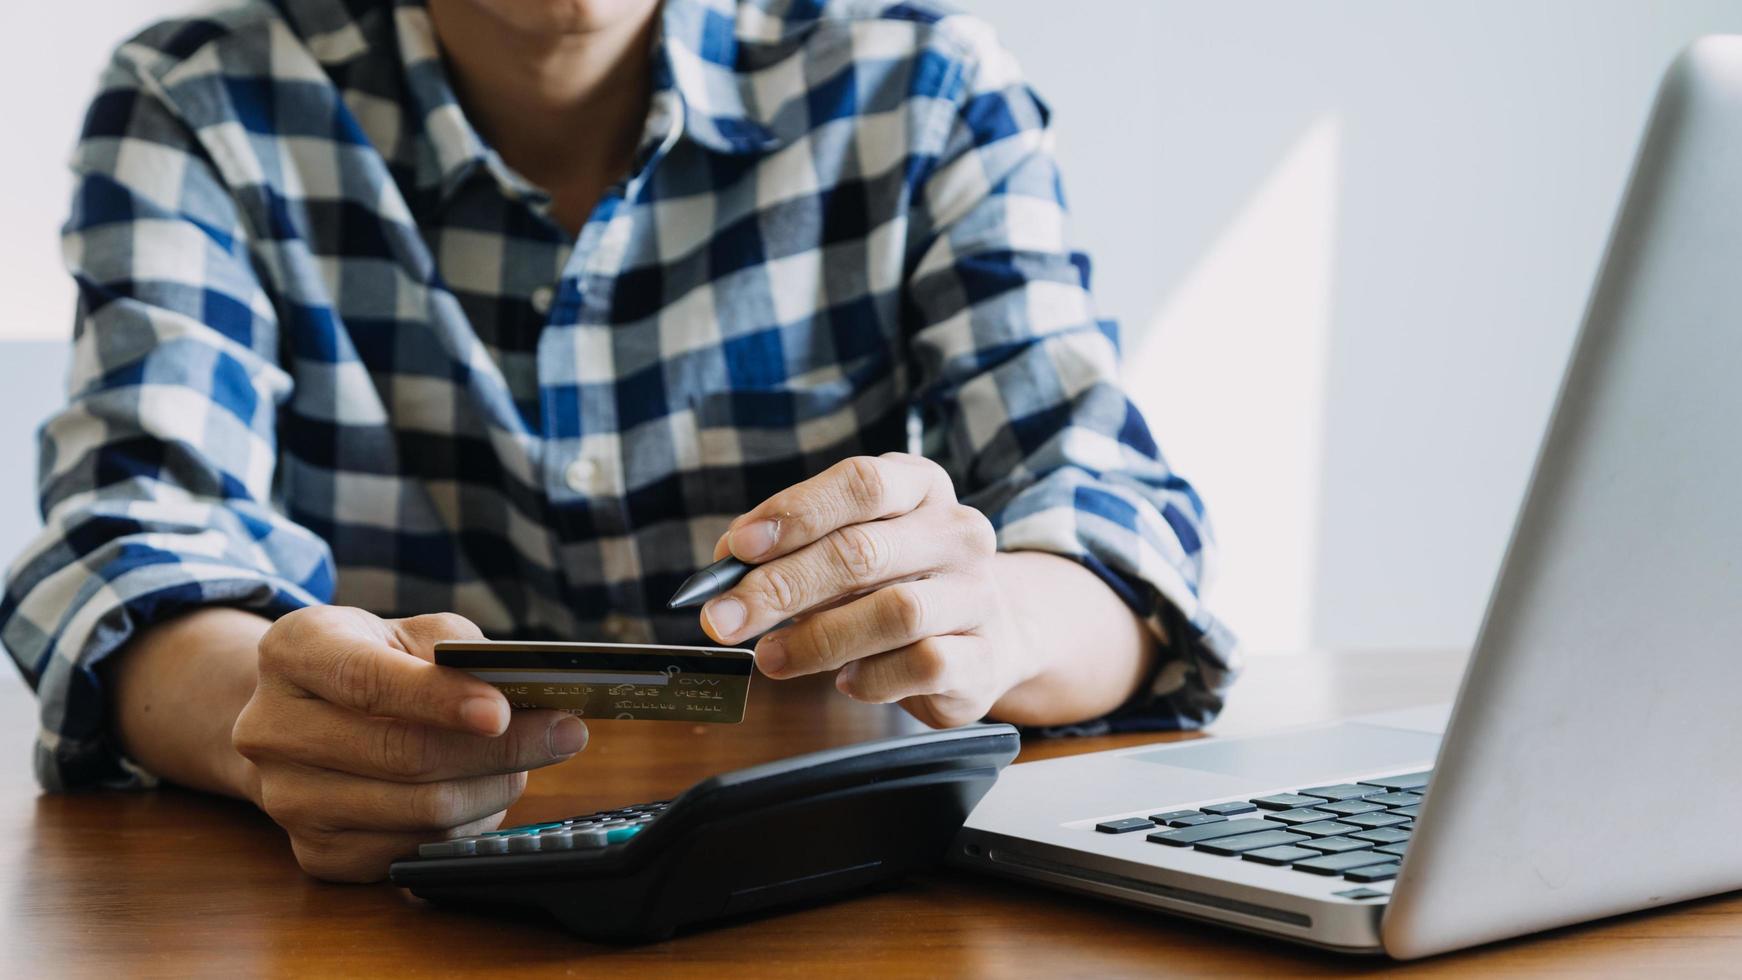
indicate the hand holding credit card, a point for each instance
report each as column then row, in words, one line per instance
column 630, row 681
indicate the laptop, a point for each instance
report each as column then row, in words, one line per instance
column 1594, row 753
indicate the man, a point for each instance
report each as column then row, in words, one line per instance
column 504, row 316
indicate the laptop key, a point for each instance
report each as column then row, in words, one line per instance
column 1383, row 835
column 1280, row 855
column 1249, row 842
column 1409, row 811
column 1350, row 806
column 1171, row 815
column 1186, row 836
column 1324, row 828
column 1125, row 826
column 1359, row 893
column 1395, row 799
column 1195, row 819
column 1285, row 801
column 1335, row 845
column 1229, row 809
column 1377, row 872
column 1413, row 780
column 1342, row 791
column 1303, row 815
column 1336, row 864
column 1397, row 849
column 1384, row 818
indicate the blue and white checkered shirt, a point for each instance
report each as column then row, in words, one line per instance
column 330, row 348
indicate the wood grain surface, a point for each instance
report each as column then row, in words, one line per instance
column 174, row 884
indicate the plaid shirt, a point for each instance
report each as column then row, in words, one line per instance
column 330, row 348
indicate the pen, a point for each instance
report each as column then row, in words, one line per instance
column 708, row 583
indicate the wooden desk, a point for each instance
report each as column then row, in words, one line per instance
column 174, row 884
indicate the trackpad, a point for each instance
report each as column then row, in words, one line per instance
column 1300, row 757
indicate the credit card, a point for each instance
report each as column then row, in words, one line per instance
column 631, row 681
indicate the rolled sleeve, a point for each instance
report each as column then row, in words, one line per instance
column 155, row 479
column 1020, row 395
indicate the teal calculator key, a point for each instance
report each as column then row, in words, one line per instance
column 617, row 834
column 531, row 828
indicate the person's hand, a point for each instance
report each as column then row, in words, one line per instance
column 364, row 748
column 887, row 578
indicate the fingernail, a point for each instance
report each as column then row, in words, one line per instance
column 725, row 615
column 487, row 715
column 771, row 655
column 755, row 539
column 567, row 735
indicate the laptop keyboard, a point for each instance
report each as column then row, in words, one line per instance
column 1356, row 831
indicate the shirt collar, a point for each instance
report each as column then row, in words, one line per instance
column 698, row 56
column 696, row 70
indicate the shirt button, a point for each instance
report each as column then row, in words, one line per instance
column 581, row 475
column 541, row 299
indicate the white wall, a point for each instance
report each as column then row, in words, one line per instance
column 49, row 63
column 1349, row 240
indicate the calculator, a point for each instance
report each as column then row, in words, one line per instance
column 800, row 830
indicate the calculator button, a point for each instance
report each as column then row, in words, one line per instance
column 492, row 845
column 463, row 847
column 525, row 844
column 569, row 838
column 582, row 839
column 618, row 834
column 531, row 828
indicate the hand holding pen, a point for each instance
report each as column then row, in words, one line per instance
column 886, row 578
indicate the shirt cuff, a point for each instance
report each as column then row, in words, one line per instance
column 76, row 745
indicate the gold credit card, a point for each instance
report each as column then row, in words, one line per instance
column 632, row 681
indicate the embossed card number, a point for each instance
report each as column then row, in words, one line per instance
column 629, row 681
